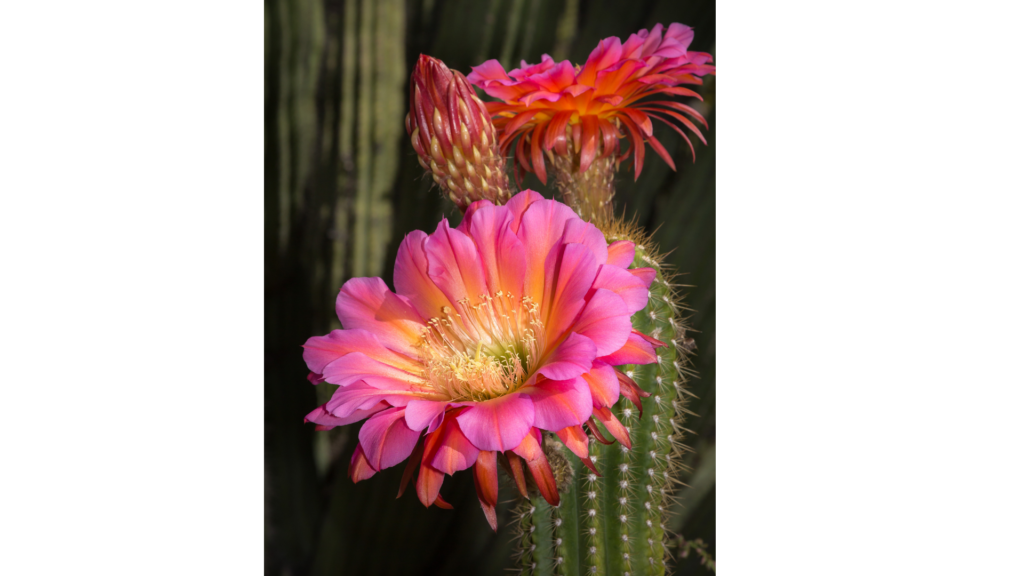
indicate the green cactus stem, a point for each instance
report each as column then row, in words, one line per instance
column 614, row 524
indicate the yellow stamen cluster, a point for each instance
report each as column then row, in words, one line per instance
column 482, row 351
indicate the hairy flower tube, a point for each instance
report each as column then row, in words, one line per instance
column 508, row 325
column 453, row 136
column 579, row 111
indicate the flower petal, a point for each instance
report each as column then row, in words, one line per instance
column 604, row 386
column 498, row 424
column 605, row 321
column 454, row 264
column 636, row 350
column 428, row 485
column 500, row 250
column 569, row 274
column 631, row 289
column 576, row 439
column 326, row 421
column 518, row 204
column 573, row 357
column 359, row 468
column 451, row 451
column 386, row 439
column 531, row 451
column 606, row 417
column 485, row 477
column 543, row 224
column 420, row 414
column 411, row 279
column 646, row 274
column 582, row 232
column 621, row 253
column 319, row 351
column 358, row 366
column 632, row 391
column 560, row 403
column 367, row 304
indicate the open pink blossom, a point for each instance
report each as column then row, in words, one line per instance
column 507, row 325
column 551, row 105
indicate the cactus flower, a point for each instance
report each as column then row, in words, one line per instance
column 505, row 326
column 558, row 106
column 453, row 136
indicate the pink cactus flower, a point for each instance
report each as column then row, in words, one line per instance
column 552, row 105
column 505, row 326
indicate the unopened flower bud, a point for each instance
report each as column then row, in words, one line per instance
column 453, row 135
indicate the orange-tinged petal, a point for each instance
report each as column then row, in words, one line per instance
column 428, row 485
column 516, row 464
column 531, row 451
column 485, row 477
column 612, row 424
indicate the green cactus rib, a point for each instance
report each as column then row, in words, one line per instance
column 615, row 524
column 568, row 529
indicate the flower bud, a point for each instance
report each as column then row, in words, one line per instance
column 453, row 135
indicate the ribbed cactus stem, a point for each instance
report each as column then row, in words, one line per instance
column 653, row 440
column 614, row 524
column 568, row 529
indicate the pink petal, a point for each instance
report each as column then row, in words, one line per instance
column 367, row 304
column 454, row 264
column 489, row 70
column 559, row 77
column 358, row 366
column 326, row 421
column 631, row 289
column 420, row 414
column 428, row 485
column 541, row 230
column 540, row 469
column 582, row 232
column 454, row 451
column 412, row 281
column 617, row 430
column 569, row 274
column 467, row 216
column 605, row 321
column 647, row 275
column 518, row 204
column 319, row 351
column 604, row 385
column 573, row 357
column 540, row 95
column 501, row 251
column 360, row 396
column 621, row 253
column 498, row 424
column 386, row 439
column 359, row 467
column 560, row 403
column 608, row 52
column 575, row 439
column 636, row 350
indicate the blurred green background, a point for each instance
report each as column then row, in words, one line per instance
column 343, row 187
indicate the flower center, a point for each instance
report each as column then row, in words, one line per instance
column 481, row 351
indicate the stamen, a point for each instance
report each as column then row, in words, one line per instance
column 482, row 351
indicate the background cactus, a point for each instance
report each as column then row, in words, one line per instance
column 334, row 69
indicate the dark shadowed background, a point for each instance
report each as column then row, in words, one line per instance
column 343, row 187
